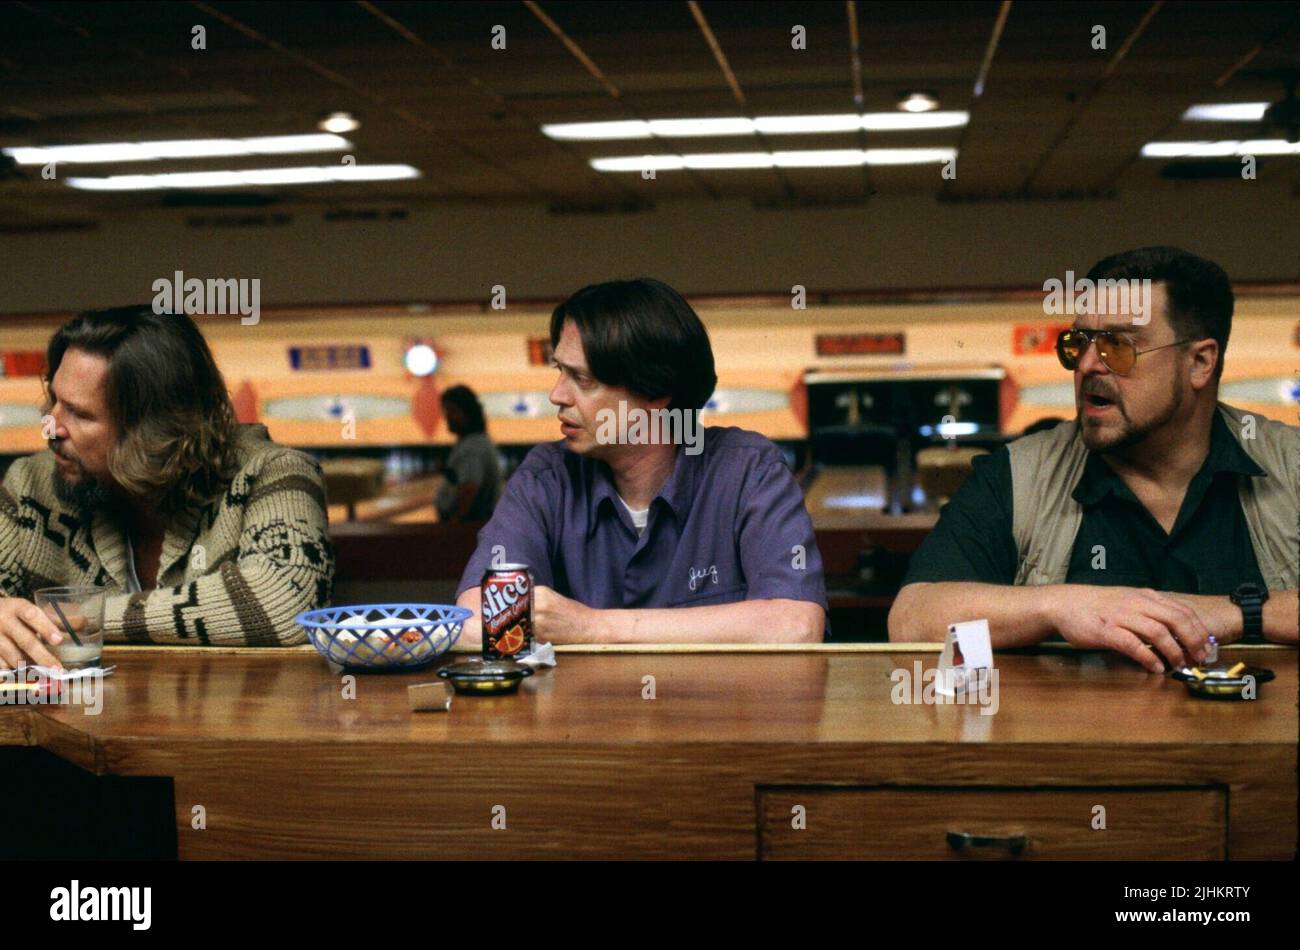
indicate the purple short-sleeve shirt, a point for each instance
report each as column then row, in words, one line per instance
column 729, row 524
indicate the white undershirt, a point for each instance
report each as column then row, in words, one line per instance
column 639, row 518
column 132, row 579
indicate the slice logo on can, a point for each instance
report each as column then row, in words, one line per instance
column 507, row 610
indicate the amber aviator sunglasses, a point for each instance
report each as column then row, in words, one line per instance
column 1117, row 350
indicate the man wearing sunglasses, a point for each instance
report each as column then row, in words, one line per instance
column 1158, row 518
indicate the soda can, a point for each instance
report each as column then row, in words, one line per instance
column 507, row 611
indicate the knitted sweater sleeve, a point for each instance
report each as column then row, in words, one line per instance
column 282, row 565
column 12, row 541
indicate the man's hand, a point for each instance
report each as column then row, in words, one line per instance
column 559, row 619
column 1131, row 620
column 1221, row 616
column 24, row 631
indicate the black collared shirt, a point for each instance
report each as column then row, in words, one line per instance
column 1119, row 541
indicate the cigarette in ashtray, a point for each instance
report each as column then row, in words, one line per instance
column 429, row 697
column 1218, row 674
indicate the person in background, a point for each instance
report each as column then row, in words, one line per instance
column 202, row 529
column 1158, row 518
column 473, row 471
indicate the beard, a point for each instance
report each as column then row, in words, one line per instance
column 1112, row 439
column 87, row 494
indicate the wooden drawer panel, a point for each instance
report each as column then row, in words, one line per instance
column 913, row 823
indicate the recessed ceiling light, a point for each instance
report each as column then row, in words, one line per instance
column 1220, row 149
column 769, row 125
column 1226, row 112
column 918, row 102
column 814, row 158
column 247, row 178
column 339, row 122
column 178, row 148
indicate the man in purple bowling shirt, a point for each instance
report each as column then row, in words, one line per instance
column 641, row 525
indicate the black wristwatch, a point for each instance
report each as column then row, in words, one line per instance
column 1250, row 598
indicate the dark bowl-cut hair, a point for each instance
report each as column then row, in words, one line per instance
column 642, row 335
column 464, row 399
column 1199, row 292
column 176, row 425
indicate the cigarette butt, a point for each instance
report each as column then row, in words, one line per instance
column 1236, row 670
column 1196, row 671
column 429, row 697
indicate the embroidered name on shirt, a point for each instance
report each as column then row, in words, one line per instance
column 697, row 576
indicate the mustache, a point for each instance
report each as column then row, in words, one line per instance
column 54, row 447
column 1094, row 386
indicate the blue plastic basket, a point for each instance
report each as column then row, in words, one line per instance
column 384, row 636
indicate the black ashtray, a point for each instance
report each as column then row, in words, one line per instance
column 485, row 677
column 1219, row 686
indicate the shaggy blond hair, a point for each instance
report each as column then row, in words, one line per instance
column 177, row 426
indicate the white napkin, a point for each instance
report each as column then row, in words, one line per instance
column 62, row 676
column 543, row 654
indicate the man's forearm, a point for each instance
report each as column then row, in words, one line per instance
column 1219, row 614
column 1017, row 616
column 747, row 621
column 1281, row 617
column 251, row 605
column 1223, row 618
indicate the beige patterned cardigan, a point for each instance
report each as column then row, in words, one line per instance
column 235, row 572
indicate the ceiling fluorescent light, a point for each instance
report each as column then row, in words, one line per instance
column 247, row 178
column 597, row 131
column 821, row 158
column 178, row 148
column 769, row 125
column 699, row 128
column 868, row 121
column 806, row 124
column 1221, row 149
column 816, row 158
column 1226, row 112
column 909, row 156
column 1268, row 147
column 904, row 121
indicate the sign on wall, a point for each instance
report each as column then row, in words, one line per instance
column 22, row 363
column 316, row 358
column 1031, row 339
column 860, row 344
column 539, row 351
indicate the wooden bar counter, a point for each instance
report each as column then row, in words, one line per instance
column 785, row 753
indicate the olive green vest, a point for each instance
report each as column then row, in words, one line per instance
column 1046, row 467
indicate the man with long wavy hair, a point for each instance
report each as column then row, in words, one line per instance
column 207, row 531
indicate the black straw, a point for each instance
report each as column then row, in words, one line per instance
column 66, row 626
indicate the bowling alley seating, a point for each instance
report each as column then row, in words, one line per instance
column 351, row 481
